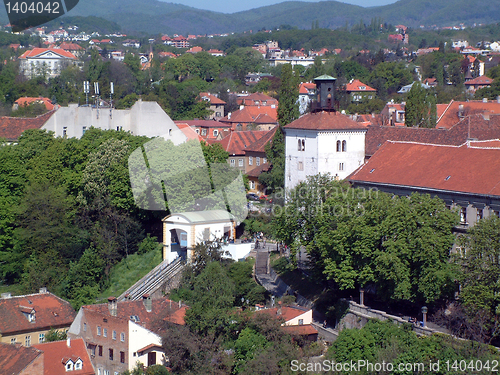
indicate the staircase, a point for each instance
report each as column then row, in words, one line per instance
column 150, row 283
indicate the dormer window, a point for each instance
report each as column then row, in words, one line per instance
column 69, row 365
column 31, row 317
column 78, row 364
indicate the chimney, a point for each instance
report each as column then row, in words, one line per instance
column 112, row 306
column 68, row 342
column 148, row 304
column 6, row 295
column 461, row 110
column 485, row 100
column 498, row 99
column 486, row 116
column 229, row 116
column 43, row 290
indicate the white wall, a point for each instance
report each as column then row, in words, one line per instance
column 140, row 337
column 306, row 317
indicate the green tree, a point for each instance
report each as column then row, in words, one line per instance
column 420, row 109
column 288, row 108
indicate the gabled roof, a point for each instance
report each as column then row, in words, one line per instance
column 211, row 98
column 252, row 114
column 305, row 88
column 27, row 101
column 11, row 128
column 260, row 144
column 188, row 131
column 481, row 80
column 237, row 141
column 249, row 100
column 71, row 46
column 38, row 52
column 263, row 167
column 357, row 86
column 57, row 353
column 287, row 313
column 324, row 120
column 463, row 169
column 450, row 116
column 204, row 123
column 15, row 358
column 50, row 311
column 303, row 330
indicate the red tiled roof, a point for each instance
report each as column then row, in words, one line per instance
column 357, row 85
column 50, row 311
column 249, row 100
column 27, row 101
column 188, row 131
column 481, row 80
column 258, row 170
column 454, row 168
column 473, row 127
column 168, row 310
column 35, row 52
column 204, row 123
column 70, row 46
column 303, row 330
column 251, row 114
column 449, row 117
column 236, row 142
column 15, row 358
column 260, row 144
column 324, row 121
column 11, row 128
column 212, row 98
column 57, row 353
column 306, row 86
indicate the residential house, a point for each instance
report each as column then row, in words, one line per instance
column 131, row 43
column 358, row 91
column 307, row 93
column 208, row 130
column 477, row 83
column 393, row 114
column 466, row 177
column 25, row 101
column 20, row 360
column 257, row 160
column 117, row 334
column 180, row 41
column 73, row 48
column 250, row 117
column 216, row 105
column 45, row 61
column 65, row 357
column 236, row 143
column 27, row 319
column 406, row 89
column 215, row 52
column 296, row 320
column 257, row 99
column 456, row 111
column 194, row 50
column 323, row 141
column 432, row 82
column 11, row 128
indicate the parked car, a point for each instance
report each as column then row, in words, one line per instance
column 252, row 197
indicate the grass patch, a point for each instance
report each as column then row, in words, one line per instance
column 129, row 271
column 295, row 278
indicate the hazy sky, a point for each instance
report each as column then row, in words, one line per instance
column 231, row 6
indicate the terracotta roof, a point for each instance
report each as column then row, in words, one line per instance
column 150, row 347
column 249, row 100
column 260, row 144
column 237, row 141
column 449, row 117
column 305, row 87
column 50, row 311
column 27, row 101
column 258, row 170
column 11, row 128
column 161, row 308
column 188, row 131
column 287, row 313
column 35, row 52
column 15, row 358
column 70, row 46
column 204, row 123
column 251, row 114
column 211, row 98
column 357, row 85
column 471, row 127
column 465, row 169
column 481, row 80
column 57, row 353
column 303, row 330
column 325, row 121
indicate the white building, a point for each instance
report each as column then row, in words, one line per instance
column 45, row 61
column 323, row 141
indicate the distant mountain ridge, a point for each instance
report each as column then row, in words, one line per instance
column 153, row 17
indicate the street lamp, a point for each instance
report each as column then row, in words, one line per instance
column 424, row 313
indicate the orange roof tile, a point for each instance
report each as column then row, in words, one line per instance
column 464, row 169
column 211, row 98
column 11, row 128
column 449, row 117
column 260, row 144
column 249, row 115
column 57, row 353
column 358, row 86
column 27, row 101
column 303, row 330
column 237, row 141
column 35, row 52
column 15, row 358
column 50, row 311
column 287, row 313
column 188, row 131
column 481, row 80
column 250, row 100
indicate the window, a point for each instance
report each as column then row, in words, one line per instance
column 106, row 372
column 300, row 166
column 250, row 160
column 105, row 332
column 78, row 365
column 92, row 350
column 264, row 160
column 41, row 337
column 339, row 146
column 122, row 357
column 203, row 131
column 27, row 340
column 479, row 214
column 99, row 350
column 344, row 146
column 98, row 330
column 251, row 184
column 99, row 371
column 341, row 166
column 69, row 366
column 232, row 162
column 257, row 161
column 84, row 327
column 110, row 354
column 240, row 162
column 122, row 337
column 216, row 132
column 301, row 144
column 65, row 131
column 463, row 215
column 13, row 340
column 197, row 131
column 84, row 129
column 114, row 335
column 301, row 322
